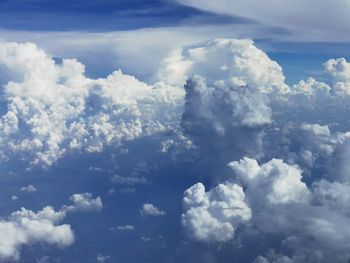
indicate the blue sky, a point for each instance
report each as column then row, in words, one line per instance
column 96, row 15
column 174, row 131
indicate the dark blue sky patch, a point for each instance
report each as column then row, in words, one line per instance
column 105, row 15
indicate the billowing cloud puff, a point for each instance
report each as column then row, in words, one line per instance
column 53, row 108
column 275, row 181
column 151, row 210
column 27, row 227
column 339, row 69
column 307, row 220
column 84, row 202
column 225, row 62
column 214, row 216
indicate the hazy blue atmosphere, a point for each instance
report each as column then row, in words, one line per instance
column 175, row 131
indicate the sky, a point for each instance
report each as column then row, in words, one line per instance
column 174, row 131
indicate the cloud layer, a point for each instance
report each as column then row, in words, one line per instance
column 300, row 17
column 273, row 157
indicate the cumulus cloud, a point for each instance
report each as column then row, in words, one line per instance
column 302, row 129
column 25, row 227
column 53, row 108
column 232, row 117
column 214, row 216
column 274, row 200
column 84, row 202
column 287, row 147
column 151, row 210
column 224, row 62
column 274, row 182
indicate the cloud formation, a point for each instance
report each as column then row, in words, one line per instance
column 299, row 17
column 299, row 136
column 262, row 147
column 25, row 227
column 52, row 108
column 213, row 216
column 151, row 210
column 224, row 62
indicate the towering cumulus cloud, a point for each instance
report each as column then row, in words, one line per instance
column 224, row 62
column 237, row 106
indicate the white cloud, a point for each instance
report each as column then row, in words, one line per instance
column 60, row 110
column 151, row 210
column 27, row 227
column 53, row 109
column 307, row 220
column 224, row 62
column 275, row 181
column 29, row 189
column 84, row 202
column 107, row 51
column 213, row 216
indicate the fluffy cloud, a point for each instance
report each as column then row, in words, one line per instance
column 288, row 147
column 53, row 108
column 298, row 198
column 275, row 181
column 84, row 202
column 151, row 210
column 25, row 227
column 276, row 202
column 214, row 216
column 225, row 62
